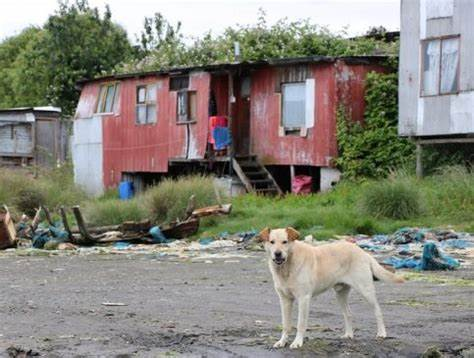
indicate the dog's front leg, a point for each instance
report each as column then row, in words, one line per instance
column 286, row 305
column 303, row 312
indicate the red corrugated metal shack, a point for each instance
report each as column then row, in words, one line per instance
column 275, row 118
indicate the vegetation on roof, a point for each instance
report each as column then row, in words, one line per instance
column 41, row 65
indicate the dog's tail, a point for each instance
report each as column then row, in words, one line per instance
column 382, row 274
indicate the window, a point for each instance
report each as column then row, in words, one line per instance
column 107, row 98
column 440, row 66
column 146, row 104
column 186, row 106
column 293, row 105
column 179, row 83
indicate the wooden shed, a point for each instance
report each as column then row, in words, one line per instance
column 32, row 135
column 280, row 116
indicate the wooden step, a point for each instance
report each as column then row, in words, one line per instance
column 256, row 175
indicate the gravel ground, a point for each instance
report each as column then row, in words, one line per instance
column 214, row 307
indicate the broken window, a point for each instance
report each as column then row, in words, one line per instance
column 186, row 106
column 146, row 104
column 179, row 83
column 293, row 105
column 440, row 66
column 107, row 98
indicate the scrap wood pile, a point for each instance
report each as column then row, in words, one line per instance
column 420, row 248
column 48, row 234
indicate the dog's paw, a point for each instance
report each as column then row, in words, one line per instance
column 297, row 343
column 280, row 344
column 382, row 335
column 347, row 336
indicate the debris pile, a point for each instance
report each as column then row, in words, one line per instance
column 42, row 232
column 419, row 248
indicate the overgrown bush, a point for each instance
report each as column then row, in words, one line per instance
column 168, row 200
column 114, row 211
column 27, row 200
column 373, row 148
column 392, row 198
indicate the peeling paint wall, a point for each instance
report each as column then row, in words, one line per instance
column 87, row 154
column 437, row 115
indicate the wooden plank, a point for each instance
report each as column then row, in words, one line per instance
column 280, row 192
column 7, row 230
column 446, row 140
column 47, row 215
column 62, row 211
column 240, row 173
column 82, row 226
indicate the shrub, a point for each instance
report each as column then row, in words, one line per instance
column 114, row 211
column 392, row 198
column 373, row 148
column 168, row 200
column 27, row 200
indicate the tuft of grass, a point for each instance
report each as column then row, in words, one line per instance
column 168, row 200
column 393, row 198
column 114, row 211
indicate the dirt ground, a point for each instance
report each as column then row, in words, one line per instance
column 213, row 307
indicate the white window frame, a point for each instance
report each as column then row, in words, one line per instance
column 148, row 103
column 101, row 107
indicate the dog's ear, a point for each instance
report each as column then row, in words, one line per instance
column 292, row 234
column 264, row 235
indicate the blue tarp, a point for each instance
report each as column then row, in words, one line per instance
column 432, row 259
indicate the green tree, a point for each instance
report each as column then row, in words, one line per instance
column 14, row 91
column 42, row 66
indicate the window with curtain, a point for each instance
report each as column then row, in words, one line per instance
column 293, row 97
column 440, row 72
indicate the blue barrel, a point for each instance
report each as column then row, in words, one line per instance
column 126, row 190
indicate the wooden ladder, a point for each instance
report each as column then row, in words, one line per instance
column 255, row 177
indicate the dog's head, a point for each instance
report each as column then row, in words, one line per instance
column 278, row 243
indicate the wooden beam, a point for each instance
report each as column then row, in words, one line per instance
column 82, row 226
column 240, row 173
column 419, row 160
column 446, row 140
column 62, row 211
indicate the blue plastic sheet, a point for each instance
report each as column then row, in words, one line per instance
column 432, row 259
column 157, row 235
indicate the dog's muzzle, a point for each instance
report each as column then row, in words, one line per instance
column 279, row 260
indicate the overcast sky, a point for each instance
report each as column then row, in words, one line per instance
column 198, row 17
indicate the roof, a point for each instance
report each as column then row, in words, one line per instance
column 31, row 109
column 243, row 64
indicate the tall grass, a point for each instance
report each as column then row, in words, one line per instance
column 392, row 198
column 383, row 206
column 22, row 192
column 168, row 200
column 114, row 211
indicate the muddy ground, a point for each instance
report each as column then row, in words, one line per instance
column 214, row 307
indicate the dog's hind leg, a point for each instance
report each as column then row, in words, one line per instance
column 367, row 290
column 342, row 294
column 286, row 304
column 303, row 312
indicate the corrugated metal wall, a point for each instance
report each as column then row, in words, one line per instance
column 435, row 115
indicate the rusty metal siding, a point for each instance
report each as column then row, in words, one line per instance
column 317, row 147
column 129, row 147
